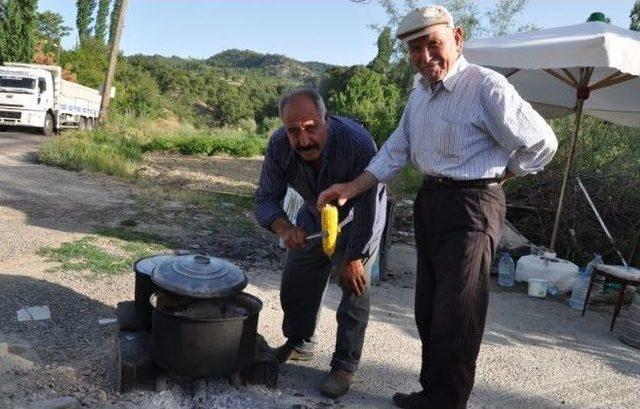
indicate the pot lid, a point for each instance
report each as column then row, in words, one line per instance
column 199, row 276
column 146, row 265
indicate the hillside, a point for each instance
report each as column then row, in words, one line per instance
column 224, row 89
column 274, row 64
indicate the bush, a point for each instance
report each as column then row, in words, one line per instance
column 269, row 125
column 239, row 146
column 195, row 145
column 160, row 144
column 248, row 125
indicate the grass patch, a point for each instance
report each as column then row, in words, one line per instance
column 112, row 251
column 95, row 152
column 117, row 147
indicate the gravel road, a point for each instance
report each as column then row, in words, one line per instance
column 535, row 354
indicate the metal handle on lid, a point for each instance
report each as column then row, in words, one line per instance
column 201, row 259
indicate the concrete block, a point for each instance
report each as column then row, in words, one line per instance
column 265, row 368
column 134, row 361
column 34, row 313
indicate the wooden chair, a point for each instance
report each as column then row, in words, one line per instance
column 619, row 274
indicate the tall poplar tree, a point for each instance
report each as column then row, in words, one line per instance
column 100, row 31
column 635, row 17
column 84, row 18
column 3, row 38
column 114, row 19
column 29, row 16
column 17, row 30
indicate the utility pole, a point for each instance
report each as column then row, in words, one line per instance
column 113, row 60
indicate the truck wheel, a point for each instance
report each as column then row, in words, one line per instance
column 82, row 123
column 89, row 125
column 47, row 129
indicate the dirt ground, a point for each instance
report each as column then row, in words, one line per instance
column 535, row 353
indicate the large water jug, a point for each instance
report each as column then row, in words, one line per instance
column 506, row 270
column 560, row 274
column 579, row 292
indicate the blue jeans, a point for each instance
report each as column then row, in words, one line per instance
column 304, row 281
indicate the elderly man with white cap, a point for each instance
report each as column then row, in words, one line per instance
column 467, row 130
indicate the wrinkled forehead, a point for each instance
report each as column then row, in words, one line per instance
column 299, row 109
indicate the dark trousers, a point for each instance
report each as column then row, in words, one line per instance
column 304, row 281
column 457, row 232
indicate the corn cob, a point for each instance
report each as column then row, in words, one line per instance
column 330, row 228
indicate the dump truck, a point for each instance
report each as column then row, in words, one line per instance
column 33, row 95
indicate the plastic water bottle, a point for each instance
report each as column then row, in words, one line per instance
column 506, row 270
column 579, row 292
column 597, row 259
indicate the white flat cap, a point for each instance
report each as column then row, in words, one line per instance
column 423, row 21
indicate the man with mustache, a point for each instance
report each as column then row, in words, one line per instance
column 309, row 153
column 467, row 130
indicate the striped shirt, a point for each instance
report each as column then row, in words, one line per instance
column 348, row 150
column 473, row 125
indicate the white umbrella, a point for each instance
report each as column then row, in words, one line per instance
column 591, row 67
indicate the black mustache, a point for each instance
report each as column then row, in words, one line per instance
column 307, row 148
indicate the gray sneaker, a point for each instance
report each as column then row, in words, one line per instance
column 336, row 383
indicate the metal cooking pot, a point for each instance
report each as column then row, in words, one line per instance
column 195, row 337
column 144, row 287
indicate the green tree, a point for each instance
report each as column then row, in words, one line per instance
column 382, row 60
column 366, row 96
column 100, row 31
column 84, row 18
column 18, row 28
column 50, row 30
column 138, row 93
column 88, row 62
column 114, row 19
column 29, row 11
column 635, row 16
column 227, row 104
column 501, row 18
column 3, row 44
column 465, row 14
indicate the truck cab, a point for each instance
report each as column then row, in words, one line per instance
column 26, row 98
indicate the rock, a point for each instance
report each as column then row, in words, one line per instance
column 18, row 349
column 64, row 402
column 102, row 395
column 174, row 206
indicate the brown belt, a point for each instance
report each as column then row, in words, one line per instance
column 444, row 182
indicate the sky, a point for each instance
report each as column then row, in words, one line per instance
column 329, row 31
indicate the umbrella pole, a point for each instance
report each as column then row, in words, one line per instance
column 567, row 169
